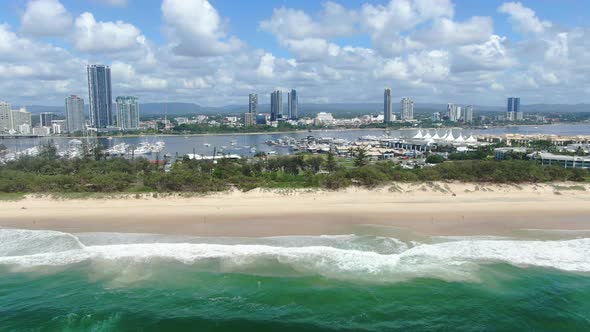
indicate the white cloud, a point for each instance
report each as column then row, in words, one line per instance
column 497, row 86
column 266, row 66
column 558, row 50
column 333, row 21
column 430, row 66
column 93, row 36
column 524, row 18
column 45, row 18
column 196, row 29
column 385, row 23
column 416, row 46
column 393, row 69
column 312, row 48
column 124, row 76
column 196, row 83
column 399, row 15
column 491, row 55
column 447, row 32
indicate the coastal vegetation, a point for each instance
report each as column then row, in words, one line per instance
column 93, row 173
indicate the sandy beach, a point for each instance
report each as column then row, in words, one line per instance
column 429, row 209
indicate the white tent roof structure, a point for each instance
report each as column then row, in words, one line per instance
column 427, row 136
column 436, row 137
column 460, row 139
column 471, row 139
column 449, row 137
column 418, row 134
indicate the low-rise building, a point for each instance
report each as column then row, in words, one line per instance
column 41, row 131
column 566, row 161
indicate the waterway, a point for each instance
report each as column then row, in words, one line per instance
column 243, row 143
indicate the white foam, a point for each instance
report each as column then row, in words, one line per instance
column 454, row 260
column 17, row 242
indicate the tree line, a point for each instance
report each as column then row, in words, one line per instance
column 94, row 172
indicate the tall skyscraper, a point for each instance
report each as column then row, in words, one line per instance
column 127, row 112
column 100, row 99
column 75, row 119
column 5, row 117
column 276, row 105
column 45, row 119
column 468, row 114
column 513, row 109
column 253, row 103
column 407, row 109
column 387, row 106
column 293, row 105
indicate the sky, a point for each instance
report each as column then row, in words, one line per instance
column 216, row 52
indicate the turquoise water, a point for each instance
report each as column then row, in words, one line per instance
column 51, row 281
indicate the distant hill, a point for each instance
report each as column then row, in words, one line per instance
column 169, row 108
column 545, row 108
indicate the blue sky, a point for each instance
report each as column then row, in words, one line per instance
column 216, row 52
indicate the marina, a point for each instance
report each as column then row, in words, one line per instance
column 410, row 141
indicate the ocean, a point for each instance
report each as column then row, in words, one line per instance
column 55, row 281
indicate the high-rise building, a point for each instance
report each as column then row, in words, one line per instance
column 387, row 106
column 253, row 103
column 468, row 114
column 75, row 119
column 45, row 119
column 21, row 119
column 436, row 117
column 127, row 112
column 513, row 109
column 276, row 105
column 293, row 104
column 407, row 109
column 100, row 99
column 453, row 112
column 5, row 117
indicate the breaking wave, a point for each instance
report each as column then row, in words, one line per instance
column 346, row 257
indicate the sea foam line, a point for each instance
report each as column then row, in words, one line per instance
column 452, row 260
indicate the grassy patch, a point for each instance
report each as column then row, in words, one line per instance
column 574, row 187
column 11, row 196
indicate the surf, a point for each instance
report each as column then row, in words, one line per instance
column 342, row 257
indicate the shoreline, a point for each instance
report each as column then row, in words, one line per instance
column 431, row 209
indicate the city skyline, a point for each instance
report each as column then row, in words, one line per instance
column 333, row 52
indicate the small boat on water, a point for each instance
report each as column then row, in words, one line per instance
column 119, row 149
column 158, row 146
column 142, row 150
column 206, row 144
